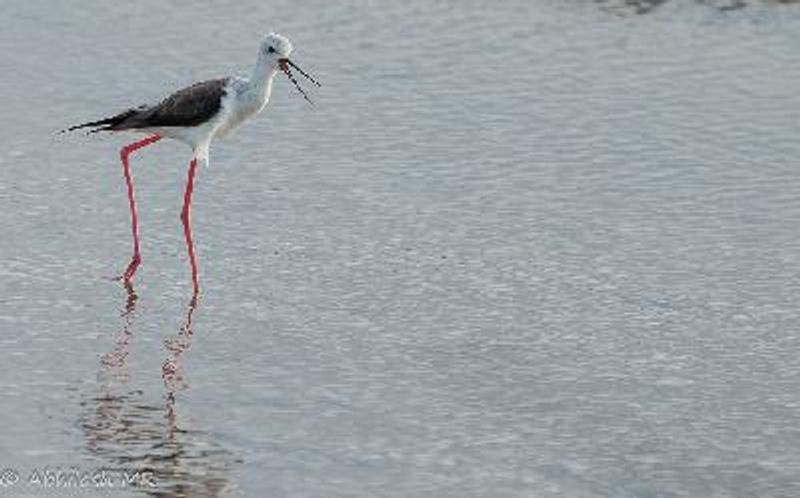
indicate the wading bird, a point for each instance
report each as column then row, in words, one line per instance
column 195, row 115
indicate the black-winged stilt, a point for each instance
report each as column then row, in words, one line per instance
column 195, row 115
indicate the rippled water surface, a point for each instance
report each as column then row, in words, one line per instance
column 538, row 248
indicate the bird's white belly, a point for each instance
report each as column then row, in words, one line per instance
column 190, row 135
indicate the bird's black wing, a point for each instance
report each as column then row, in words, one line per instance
column 189, row 106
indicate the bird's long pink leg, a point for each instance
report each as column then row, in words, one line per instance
column 124, row 153
column 185, row 217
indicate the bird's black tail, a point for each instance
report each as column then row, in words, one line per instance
column 105, row 124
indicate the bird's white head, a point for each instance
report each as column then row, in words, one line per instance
column 274, row 53
column 275, row 47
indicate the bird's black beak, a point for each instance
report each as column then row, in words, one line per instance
column 285, row 65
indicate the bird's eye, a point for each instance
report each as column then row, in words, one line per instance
column 271, row 50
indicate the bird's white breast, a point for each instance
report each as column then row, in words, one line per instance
column 242, row 101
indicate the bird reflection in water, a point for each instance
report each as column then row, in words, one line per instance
column 126, row 432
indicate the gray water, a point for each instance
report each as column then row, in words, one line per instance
column 538, row 248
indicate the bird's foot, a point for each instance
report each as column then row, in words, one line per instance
column 130, row 271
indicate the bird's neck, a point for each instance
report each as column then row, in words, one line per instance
column 263, row 74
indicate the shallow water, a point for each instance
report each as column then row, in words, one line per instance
column 542, row 249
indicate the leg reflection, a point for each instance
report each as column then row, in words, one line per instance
column 172, row 368
column 115, row 359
